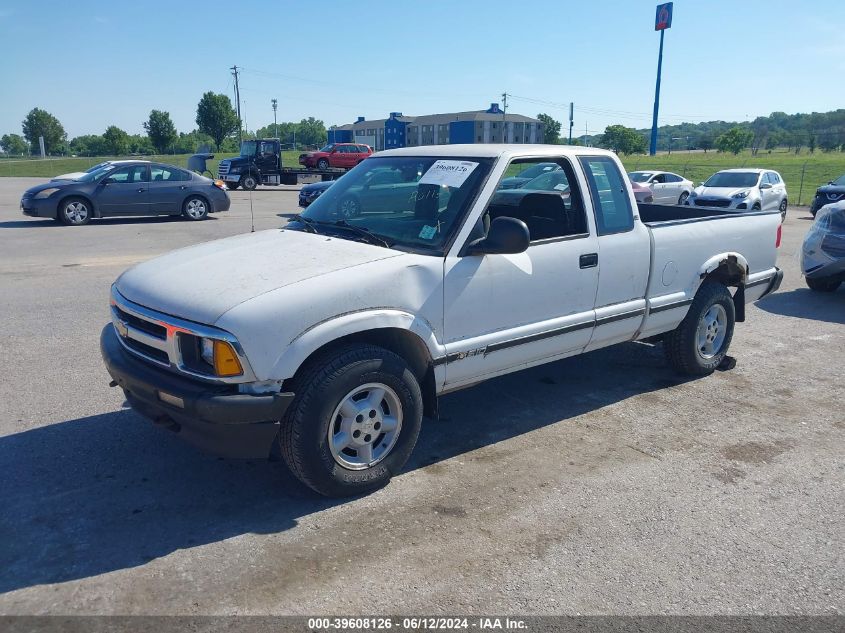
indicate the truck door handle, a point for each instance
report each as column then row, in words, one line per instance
column 142, row 190
column 183, row 187
column 590, row 260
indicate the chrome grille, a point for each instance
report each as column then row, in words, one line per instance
column 222, row 168
column 155, row 337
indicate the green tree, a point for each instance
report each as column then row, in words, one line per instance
column 623, row 139
column 115, row 141
column 216, row 117
column 88, row 145
column 705, row 143
column 311, row 131
column 14, row 144
column 41, row 123
column 161, row 130
column 551, row 129
column 734, row 140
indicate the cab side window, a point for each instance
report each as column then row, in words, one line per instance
column 550, row 203
column 609, row 192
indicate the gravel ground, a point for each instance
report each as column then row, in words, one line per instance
column 601, row 484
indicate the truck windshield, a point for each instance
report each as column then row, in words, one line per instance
column 416, row 202
column 733, row 179
column 248, row 148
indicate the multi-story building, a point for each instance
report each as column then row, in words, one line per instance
column 477, row 126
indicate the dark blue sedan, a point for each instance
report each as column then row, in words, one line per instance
column 127, row 188
column 309, row 193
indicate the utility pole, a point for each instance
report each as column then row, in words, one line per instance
column 571, row 119
column 234, row 70
column 275, row 125
column 504, row 115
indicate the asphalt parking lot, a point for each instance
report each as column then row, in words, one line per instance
column 599, row 484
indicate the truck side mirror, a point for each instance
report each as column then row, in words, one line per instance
column 507, row 236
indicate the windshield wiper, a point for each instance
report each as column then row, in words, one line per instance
column 308, row 223
column 367, row 234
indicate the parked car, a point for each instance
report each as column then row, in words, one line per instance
column 128, row 188
column 310, row 192
column 336, row 155
column 327, row 341
column 834, row 191
column 642, row 193
column 823, row 251
column 754, row 189
column 528, row 174
column 666, row 187
column 78, row 174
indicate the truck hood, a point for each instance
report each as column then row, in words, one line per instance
column 201, row 283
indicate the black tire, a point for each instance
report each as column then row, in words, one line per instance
column 322, row 164
column 320, row 387
column 349, row 207
column 783, row 205
column 248, row 182
column 756, row 206
column 823, row 284
column 683, row 199
column 74, row 211
column 231, row 186
column 195, row 208
column 681, row 344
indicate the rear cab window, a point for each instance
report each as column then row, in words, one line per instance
column 609, row 192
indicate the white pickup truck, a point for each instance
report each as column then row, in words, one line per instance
column 326, row 341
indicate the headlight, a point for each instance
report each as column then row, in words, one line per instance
column 234, row 170
column 220, row 185
column 221, row 356
column 741, row 195
column 46, row 193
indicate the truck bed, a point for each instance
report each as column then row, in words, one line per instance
column 655, row 214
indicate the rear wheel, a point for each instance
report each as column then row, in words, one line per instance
column 322, row 164
column 195, row 208
column 701, row 341
column 354, row 422
column 782, row 208
column 683, row 199
column 823, row 284
column 74, row 211
column 248, row 182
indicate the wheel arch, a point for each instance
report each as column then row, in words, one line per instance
column 409, row 337
column 728, row 269
column 95, row 210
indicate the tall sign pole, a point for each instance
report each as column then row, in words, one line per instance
column 571, row 119
column 662, row 21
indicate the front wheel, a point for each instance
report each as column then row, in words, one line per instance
column 683, row 199
column 248, row 182
column 823, row 284
column 195, row 208
column 322, row 164
column 74, row 212
column 701, row 341
column 354, row 422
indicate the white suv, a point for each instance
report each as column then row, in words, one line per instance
column 752, row 189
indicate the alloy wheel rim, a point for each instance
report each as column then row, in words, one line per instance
column 76, row 212
column 196, row 208
column 712, row 331
column 365, row 426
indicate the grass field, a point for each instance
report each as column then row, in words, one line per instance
column 817, row 168
column 49, row 167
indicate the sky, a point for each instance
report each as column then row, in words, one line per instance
column 95, row 64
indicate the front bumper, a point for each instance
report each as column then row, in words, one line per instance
column 214, row 418
column 38, row 207
column 221, row 202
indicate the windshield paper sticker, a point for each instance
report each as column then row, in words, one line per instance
column 428, row 232
column 448, row 173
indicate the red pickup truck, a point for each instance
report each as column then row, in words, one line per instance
column 344, row 155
